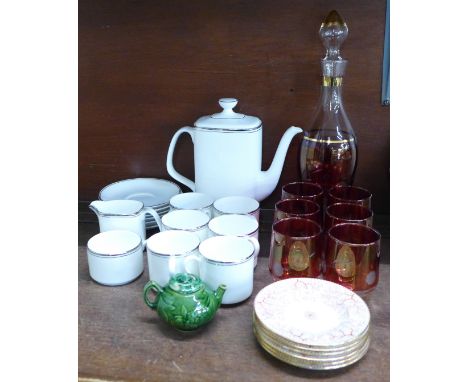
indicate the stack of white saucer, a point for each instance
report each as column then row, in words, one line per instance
column 154, row 193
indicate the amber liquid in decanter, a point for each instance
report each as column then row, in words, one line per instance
column 327, row 160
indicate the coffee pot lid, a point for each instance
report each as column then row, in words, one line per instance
column 228, row 119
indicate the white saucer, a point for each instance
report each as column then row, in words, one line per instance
column 152, row 192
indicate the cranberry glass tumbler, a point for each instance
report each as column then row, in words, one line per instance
column 347, row 213
column 295, row 249
column 352, row 257
column 300, row 208
column 349, row 194
column 303, row 190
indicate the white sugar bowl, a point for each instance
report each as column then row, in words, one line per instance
column 115, row 257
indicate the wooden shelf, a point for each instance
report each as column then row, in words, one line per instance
column 121, row 339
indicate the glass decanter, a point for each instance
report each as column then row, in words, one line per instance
column 328, row 154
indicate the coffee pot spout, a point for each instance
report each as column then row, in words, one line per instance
column 267, row 180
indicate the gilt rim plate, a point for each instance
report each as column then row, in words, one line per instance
column 312, row 312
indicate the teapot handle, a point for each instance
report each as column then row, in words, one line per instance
column 170, row 167
column 151, row 286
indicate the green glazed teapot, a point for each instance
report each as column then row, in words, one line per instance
column 185, row 302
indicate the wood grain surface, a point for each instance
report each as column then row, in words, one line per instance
column 148, row 67
column 121, row 339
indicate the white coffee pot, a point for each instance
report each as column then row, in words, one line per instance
column 123, row 215
column 228, row 155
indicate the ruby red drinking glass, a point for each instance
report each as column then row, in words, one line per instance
column 303, row 190
column 352, row 257
column 295, row 249
column 347, row 213
column 349, row 194
column 300, row 208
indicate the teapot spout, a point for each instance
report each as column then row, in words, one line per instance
column 267, row 180
column 219, row 293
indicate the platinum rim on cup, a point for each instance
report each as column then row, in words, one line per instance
column 166, row 253
column 242, row 205
column 228, row 260
column 115, row 257
column 234, row 224
column 192, row 201
column 194, row 221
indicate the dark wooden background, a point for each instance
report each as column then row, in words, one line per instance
column 148, row 67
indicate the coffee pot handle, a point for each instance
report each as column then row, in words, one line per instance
column 170, row 167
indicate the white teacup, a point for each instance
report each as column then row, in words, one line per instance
column 193, row 201
column 115, row 257
column 236, row 225
column 227, row 260
column 237, row 205
column 166, row 253
column 187, row 220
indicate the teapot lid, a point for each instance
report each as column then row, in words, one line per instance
column 185, row 283
column 228, row 119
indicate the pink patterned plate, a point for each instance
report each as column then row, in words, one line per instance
column 312, row 312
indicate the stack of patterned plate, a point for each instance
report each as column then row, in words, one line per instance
column 311, row 323
column 154, row 193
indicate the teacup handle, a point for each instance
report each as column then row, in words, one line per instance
column 151, row 286
column 154, row 214
column 189, row 259
column 256, row 245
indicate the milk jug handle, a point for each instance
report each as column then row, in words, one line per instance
column 170, row 167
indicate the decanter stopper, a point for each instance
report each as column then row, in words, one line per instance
column 333, row 32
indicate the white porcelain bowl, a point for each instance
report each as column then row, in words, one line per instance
column 187, row 220
column 115, row 257
column 192, row 201
column 237, row 205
